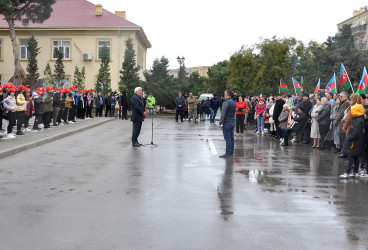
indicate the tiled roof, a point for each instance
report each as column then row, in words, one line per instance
column 77, row 13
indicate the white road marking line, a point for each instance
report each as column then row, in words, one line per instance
column 212, row 147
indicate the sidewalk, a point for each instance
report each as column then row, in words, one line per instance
column 33, row 139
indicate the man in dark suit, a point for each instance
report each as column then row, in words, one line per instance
column 138, row 114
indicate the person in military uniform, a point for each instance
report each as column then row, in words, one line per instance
column 192, row 103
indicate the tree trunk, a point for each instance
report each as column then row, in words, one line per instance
column 18, row 79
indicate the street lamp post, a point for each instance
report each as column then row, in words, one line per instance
column 181, row 64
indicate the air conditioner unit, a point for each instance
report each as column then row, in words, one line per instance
column 87, row 57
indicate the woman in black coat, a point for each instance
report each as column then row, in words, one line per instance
column 323, row 120
column 354, row 142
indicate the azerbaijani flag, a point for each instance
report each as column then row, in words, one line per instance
column 344, row 78
column 297, row 86
column 302, row 81
column 283, row 87
column 362, row 88
column 331, row 86
column 318, row 86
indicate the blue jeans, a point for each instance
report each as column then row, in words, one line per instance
column 228, row 131
column 260, row 123
column 213, row 115
column 151, row 111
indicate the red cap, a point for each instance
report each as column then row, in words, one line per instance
column 28, row 90
column 48, row 88
column 21, row 87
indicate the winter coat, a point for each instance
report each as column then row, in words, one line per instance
column 137, row 109
column 30, row 107
column 68, row 102
column 180, row 101
column 98, row 101
column 10, row 104
column 324, row 115
column 278, row 109
column 21, row 100
column 47, row 106
column 56, row 102
column 108, row 101
column 314, row 122
column 283, row 119
column 214, row 103
column 347, row 123
column 354, row 142
column 307, row 105
column 300, row 120
column 340, row 115
column 38, row 106
column 260, row 109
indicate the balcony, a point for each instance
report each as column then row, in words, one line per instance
column 360, row 29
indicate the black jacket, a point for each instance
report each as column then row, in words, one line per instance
column 354, row 143
column 279, row 104
column 307, row 105
column 137, row 109
column 107, row 101
column 38, row 106
column 301, row 119
column 180, row 101
column 124, row 101
column 324, row 115
column 56, row 102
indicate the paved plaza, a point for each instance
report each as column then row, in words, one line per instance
column 93, row 190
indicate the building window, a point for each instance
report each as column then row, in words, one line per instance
column 100, row 45
column 63, row 47
column 65, row 82
column 24, row 54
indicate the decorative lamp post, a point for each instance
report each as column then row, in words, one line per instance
column 181, row 63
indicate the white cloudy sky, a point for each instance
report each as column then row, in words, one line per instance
column 208, row 31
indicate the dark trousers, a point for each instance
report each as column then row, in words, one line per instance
column 47, row 119
column 65, row 115
column 179, row 112
column 26, row 121
column 306, row 131
column 108, row 110
column 136, row 131
column 38, row 118
column 20, row 119
column 323, row 131
column 55, row 115
column 99, row 111
column 285, row 134
column 278, row 129
column 1, row 119
column 352, row 160
column 186, row 114
column 342, row 140
column 12, row 120
column 89, row 112
column 240, row 123
column 60, row 115
column 213, row 115
column 228, row 132
column 72, row 114
column 112, row 114
column 124, row 114
column 80, row 113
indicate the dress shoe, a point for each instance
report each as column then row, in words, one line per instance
column 137, row 145
column 341, row 155
column 225, row 156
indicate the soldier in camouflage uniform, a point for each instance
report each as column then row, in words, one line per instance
column 191, row 101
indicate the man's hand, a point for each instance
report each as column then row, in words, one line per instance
column 144, row 113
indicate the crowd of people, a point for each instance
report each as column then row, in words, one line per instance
column 328, row 121
column 53, row 107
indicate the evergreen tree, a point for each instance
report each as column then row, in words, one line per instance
column 48, row 75
column 79, row 77
column 59, row 70
column 218, row 76
column 103, row 82
column 26, row 11
column 129, row 77
column 32, row 66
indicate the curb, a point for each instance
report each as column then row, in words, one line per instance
column 34, row 144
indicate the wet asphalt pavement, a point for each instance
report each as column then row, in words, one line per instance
column 93, row 190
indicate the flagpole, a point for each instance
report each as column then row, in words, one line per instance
column 294, row 86
column 351, row 85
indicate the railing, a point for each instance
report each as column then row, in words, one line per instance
column 359, row 29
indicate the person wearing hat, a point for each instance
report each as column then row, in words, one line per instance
column 62, row 107
column 90, row 100
column 29, row 110
column 47, row 108
column 56, row 103
column 354, row 142
column 38, row 111
column 260, row 112
column 10, row 105
column 22, row 107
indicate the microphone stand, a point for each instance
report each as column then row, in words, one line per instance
column 152, row 144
